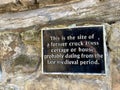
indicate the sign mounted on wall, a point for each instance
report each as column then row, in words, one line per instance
column 78, row 50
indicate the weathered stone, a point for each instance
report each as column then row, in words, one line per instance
column 25, row 65
column 31, row 36
column 22, row 64
column 1, row 88
column 8, row 42
column 115, row 78
column 22, row 5
column 32, row 41
column 115, row 69
column 118, row 67
column 7, row 1
column 20, row 50
column 114, row 42
column 63, row 84
column 73, row 12
column 114, row 45
column 11, row 87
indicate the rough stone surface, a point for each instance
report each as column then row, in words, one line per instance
column 22, row 69
column 23, row 5
column 62, row 84
column 6, row 1
column 20, row 42
column 114, row 45
column 8, row 42
column 84, row 11
column 114, row 42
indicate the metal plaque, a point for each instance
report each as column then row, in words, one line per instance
column 78, row 50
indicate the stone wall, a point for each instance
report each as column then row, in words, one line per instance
column 20, row 42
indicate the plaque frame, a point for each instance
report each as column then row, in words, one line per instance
column 61, row 73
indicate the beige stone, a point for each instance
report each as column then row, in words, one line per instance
column 32, row 41
column 23, row 68
column 23, row 5
column 7, row 1
column 114, row 45
column 62, row 84
column 20, row 49
column 114, row 42
column 8, row 42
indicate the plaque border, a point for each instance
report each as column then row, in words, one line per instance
column 79, row 73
